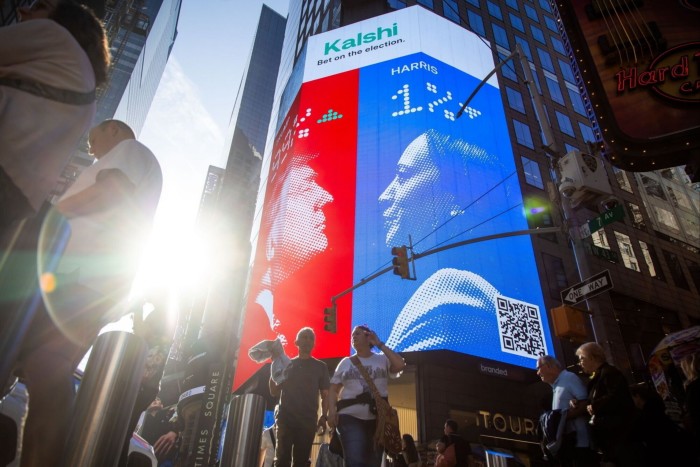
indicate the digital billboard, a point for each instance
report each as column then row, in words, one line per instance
column 370, row 153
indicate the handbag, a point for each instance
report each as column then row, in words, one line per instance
column 334, row 445
column 387, row 433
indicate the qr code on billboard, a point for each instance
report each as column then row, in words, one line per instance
column 520, row 327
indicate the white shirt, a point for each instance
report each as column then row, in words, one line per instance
column 37, row 135
column 354, row 383
column 104, row 246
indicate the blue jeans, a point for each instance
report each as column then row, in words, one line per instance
column 357, row 438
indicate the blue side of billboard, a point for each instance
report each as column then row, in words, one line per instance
column 423, row 173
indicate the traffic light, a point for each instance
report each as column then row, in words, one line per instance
column 330, row 319
column 400, row 261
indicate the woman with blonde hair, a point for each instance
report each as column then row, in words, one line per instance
column 611, row 408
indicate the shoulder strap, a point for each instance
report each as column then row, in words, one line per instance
column 372, row 387
column 64, row 96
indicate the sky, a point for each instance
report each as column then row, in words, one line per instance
column 188, row 122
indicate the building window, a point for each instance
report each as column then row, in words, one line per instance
column 600, row 239
column 652, row 187
column 397, row 4
column 474, row 2
column 500, row 36
column 545, row 60
column 676, row 270
column 554, row 90
column 636, row 216
column 533, row 176
column 586, row 133
column 694, row 270
column 551, row 24
column 451, row 10
column 522, row 134
column 516, row 22
column 544, row 4
column 537, row 34
column 426, row 3
column 622, row 180
column 531, row 13
column 556, row 276
column 569, row 147
column 679, row 199
column 666, row 219
column 476, row 23
column 652, row 261
column 494, row 10
column 566, row 71
column 576, row 102
column 508, row 70
column 672, row 174
column 557, row 45
column 626, row 251
column 513, row 4
column 691, row 225
column 515, row 100
column 525, row 46
column 564, row 123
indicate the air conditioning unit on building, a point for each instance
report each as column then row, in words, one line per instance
column 583, row 178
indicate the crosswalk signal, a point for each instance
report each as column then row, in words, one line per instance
column 330, row 319
column 400, row 261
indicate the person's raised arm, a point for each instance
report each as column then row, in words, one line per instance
column 396, row 361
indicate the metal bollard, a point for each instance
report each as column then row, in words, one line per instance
column 105, row 400
column 241, row 444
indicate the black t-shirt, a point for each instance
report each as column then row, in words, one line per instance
column 299, row 398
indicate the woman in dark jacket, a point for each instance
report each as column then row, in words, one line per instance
column 611, row 408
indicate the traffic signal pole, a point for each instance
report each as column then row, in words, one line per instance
column 432, row 251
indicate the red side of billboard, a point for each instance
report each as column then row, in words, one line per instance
column 306, row 233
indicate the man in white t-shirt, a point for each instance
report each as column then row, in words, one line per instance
column 110, row 208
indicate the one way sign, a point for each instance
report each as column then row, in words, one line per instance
column 591, row 287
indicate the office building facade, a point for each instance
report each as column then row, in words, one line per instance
column 651, row 253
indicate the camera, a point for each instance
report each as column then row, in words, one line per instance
column 609, row 203
column 567, row 188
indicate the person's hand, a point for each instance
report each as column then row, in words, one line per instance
column 589, row 408
column 372, row 338
column 573, row 403
column 332, row 418
column 165, row 444
column 321, row 424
